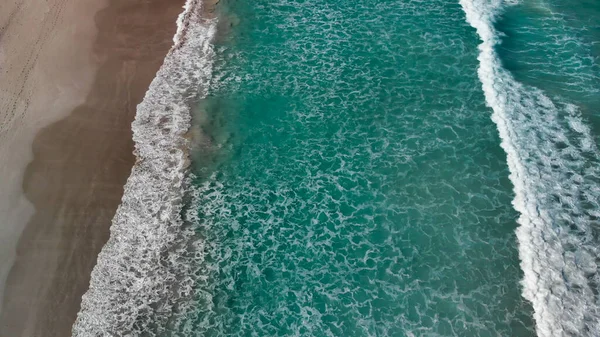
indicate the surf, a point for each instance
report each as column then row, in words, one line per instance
column 140, row 280
column 553, row 163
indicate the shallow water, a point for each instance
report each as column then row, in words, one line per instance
column 377, row 168
column 359, row 188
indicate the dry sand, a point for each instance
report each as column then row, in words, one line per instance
column 39, row 83
column 71, row 74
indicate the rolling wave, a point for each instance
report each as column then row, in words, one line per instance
column 139, row 280
column 553, row 162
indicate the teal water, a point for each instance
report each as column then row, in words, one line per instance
column 358, row 188
column 555, row 46
column 371, row 168
column 351, row 181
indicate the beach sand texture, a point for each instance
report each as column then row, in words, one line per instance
column 72, row 73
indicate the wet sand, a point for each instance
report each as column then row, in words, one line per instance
column 79, row 164
column 42, row 78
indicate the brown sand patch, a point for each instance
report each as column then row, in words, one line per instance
column 79, row 167
column 42, row 78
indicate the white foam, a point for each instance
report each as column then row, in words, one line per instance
column 139, row 280
column 553, row 164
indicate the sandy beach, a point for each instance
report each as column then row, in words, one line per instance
column 72, row 73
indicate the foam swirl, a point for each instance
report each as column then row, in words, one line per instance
column 554, row 168
column 139, row 280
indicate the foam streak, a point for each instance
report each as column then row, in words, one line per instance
column 553, row 164
column 138, row 281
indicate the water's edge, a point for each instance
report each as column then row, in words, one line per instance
column 142, row 277
column 137, row 282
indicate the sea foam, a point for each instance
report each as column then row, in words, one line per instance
column 139, row 280
column 553, row 162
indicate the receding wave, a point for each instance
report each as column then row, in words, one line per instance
column 555, row 170
column 139, row 279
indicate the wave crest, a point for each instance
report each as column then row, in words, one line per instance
column 554, row 167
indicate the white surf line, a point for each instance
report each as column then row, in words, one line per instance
column 138, row 281
column 553, row 164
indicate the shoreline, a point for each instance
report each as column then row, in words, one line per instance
column 139, row 280
column 80, row 163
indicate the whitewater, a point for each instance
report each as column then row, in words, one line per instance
column 141, row 277
column 553, row 162
column 152, row 279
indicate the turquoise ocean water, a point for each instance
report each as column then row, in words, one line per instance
column 378, row 168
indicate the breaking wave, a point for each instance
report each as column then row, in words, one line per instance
column 554, row 167
column 140, row 280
